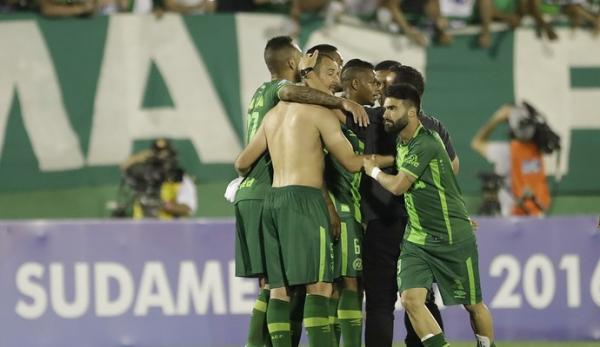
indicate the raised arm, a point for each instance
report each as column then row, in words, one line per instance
column 481, row 139
column 336, row 143
column 252, row 152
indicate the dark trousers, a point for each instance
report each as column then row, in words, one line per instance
column 381, row 249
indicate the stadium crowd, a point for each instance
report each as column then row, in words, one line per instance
column 421, row 21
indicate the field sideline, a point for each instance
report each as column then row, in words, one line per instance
column 524, row 344
column 519, row 344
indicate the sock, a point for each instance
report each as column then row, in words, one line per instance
column 256, row 329
column 334, row 322
column 484, row 341
column 350, row 316
column 435, row 341
column 278, row 320
column 316, row 321
column 296, row 315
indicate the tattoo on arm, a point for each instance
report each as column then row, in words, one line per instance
column 307, row 95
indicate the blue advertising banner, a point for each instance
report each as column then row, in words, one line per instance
column 122, row 283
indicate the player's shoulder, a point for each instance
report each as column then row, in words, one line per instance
column 426, row 137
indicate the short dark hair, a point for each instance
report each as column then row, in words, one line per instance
column 276, row 52
column 358, row 64
column 354, row 66
column 410, row 75
column 386, row 65
column 404, row 91
column 323, row 49
column 326, row 50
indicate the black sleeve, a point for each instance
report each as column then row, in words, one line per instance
column 361, row 132
column 437, row 126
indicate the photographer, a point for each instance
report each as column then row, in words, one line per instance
column 161, row 189
column 524, row 190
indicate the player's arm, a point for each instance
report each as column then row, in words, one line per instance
column 396, row 184
column 334, row 217
column 421, row 152
column 308, row 95
column 336, row 143
column 252, row 152
column 383, row 160
column 446, row 139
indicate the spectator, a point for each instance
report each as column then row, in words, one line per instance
column 432, row 11
column 482, row 12
column 534, row 9
column 57, row 8
column 161, row 187
column 519, row 161
column 578, row 13
column 190, row 6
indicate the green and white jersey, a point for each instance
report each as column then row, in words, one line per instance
column 259, row 179
column 343, row 185
column 436, row 210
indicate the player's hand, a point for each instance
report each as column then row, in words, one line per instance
column 369, row 163
column 474, row 224
column 358, row 112
column 336, row 224
column 308, row 60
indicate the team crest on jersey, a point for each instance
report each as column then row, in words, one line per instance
column 357, row 265
column 413, row 160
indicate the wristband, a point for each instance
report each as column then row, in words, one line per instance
column 375, row 172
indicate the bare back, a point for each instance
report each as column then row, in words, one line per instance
column 294, row 143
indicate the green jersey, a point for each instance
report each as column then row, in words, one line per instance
column 342, row 184
column 259, row 179
column 436, row 210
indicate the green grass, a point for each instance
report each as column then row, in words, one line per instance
column 524, row 344
column 520, row 344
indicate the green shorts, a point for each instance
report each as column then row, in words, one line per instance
column 298, row 248
column 347, row 251
column 454, row 268
column 249, row 250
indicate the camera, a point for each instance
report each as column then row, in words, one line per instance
column 142, row 181
column 490, row 185
column 527, row 123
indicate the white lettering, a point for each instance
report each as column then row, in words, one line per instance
column 506, row 296
column 133, row 42
column 103, row 273
column 154, row 275
column 191, row 289
column 38, row 300
column 242, row 292
column 27, row 69
column 81, row 299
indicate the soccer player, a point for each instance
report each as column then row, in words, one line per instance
column 359, row 84
column 283, row 58
column 332, row 53
column 439, row 244
column 295, row 217
column 386, row 218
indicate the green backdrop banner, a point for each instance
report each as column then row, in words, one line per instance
column 78, row 96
